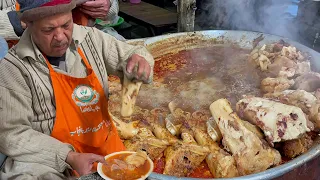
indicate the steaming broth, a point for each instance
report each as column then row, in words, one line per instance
column 197, row 77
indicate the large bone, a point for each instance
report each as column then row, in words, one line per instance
column 252, row 155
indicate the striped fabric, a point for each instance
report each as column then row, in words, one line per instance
column 6, row 29
column 7, row 4
column 27, row 104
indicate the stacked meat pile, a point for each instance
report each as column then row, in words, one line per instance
column 234, row 142
column 290, row 83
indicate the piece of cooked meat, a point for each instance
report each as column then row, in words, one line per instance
column 261, row 57
column 136, row 160
column 279, row 122
column 153, row 122
column 292, row 53
column 199, row 118
column 296, row 147
column 279, row 63
column 309, row 82
column 130, row 91
column 182, row 158
column 125, row 130
column 299, row 98
column 187, row 134
column 163, row 133
column 302, row 99
column 317, row 94
column 269, row 85
column 303, row 68
column 154, row 147
column 157, row 115
column 315, row 115
column 220, row 163
column 263, row 62
column 253, row 128
column 287, row 72
column 197, row 130
column 277, row 47
column 251, row 154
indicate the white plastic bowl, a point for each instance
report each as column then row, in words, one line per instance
column 104, row 176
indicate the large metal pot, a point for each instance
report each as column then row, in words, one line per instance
column 174, row 42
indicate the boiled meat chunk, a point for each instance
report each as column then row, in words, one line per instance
column 253, row 128
column 314, row 115
column 291, row 53
column 317, row 94
column 279, row 63
column 262, row 57
column 136, row 160
column 220, row 163
column 299, row 98
column 309, row 82
column 279, row 122
column 130, row 92
column 251, row 154
column 146, row 141
column 269, row 85
column 296, row 147
column 182, row 158
column 125, row 130
column 287, row 72
column 302, row 99
column 154, row 147
column 162, row 133
column 303, row 68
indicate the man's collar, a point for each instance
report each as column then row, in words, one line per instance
column 27, row 48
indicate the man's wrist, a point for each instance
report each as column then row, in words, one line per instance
column 70, row 157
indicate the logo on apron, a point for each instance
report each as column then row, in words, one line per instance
column 84, row 97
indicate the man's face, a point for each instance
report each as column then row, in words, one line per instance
column 53, row 34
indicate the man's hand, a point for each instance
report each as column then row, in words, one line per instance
column 138, row 68
column 83, row 162
column 97, row 9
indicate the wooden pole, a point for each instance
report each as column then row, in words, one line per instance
column 186, row 15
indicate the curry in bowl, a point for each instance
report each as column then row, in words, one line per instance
column 126, row 165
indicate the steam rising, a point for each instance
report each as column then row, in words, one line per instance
column 268, row 16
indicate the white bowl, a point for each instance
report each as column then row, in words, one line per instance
column 104, row 176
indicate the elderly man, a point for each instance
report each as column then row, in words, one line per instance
column 54, row 93
column 11, row 28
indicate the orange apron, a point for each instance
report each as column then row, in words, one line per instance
column 82, row 117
